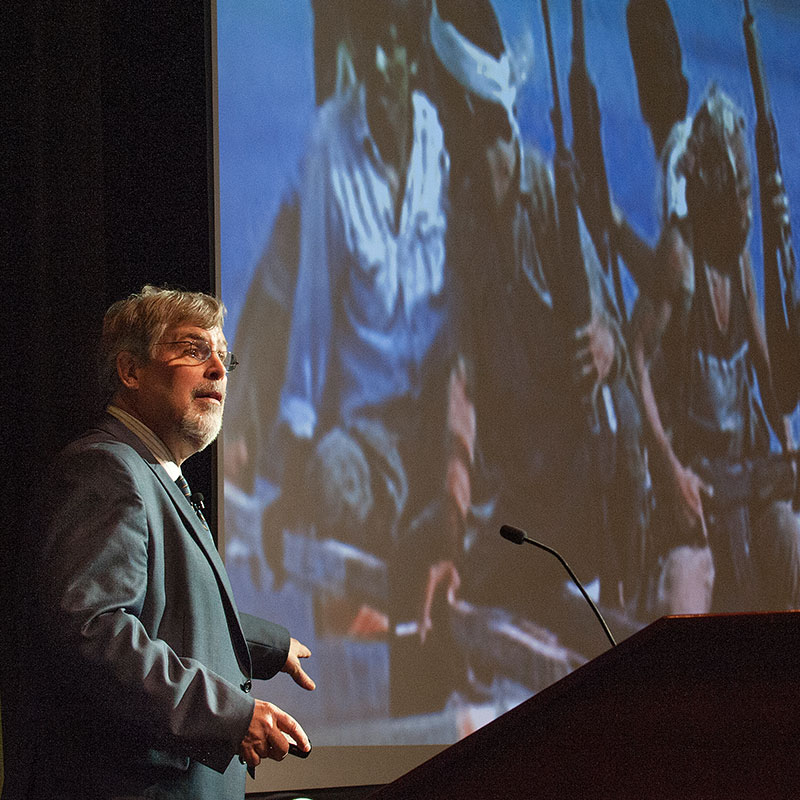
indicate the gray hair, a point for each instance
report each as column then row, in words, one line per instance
column 136, row 323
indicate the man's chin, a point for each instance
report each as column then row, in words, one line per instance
column 201, row 430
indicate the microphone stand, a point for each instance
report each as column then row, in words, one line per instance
column 517, row 536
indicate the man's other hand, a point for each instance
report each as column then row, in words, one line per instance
column 266, row 736
column 292, row 667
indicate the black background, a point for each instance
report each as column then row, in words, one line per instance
column 107, row 185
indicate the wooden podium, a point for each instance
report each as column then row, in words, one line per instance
column 689, row 707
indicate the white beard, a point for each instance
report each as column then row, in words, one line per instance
column 200, row 428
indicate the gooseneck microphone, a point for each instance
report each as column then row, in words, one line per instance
column 518, row 536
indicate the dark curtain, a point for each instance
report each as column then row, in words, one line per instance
column 107, row 186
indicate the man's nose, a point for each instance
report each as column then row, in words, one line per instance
column 214, row 366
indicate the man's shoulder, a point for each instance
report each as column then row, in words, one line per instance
column 107, row 442
column 97, row 469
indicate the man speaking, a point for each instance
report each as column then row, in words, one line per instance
column 145, row 662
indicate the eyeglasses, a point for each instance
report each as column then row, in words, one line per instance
column 200, row 350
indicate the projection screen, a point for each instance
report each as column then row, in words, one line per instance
column 408, row 380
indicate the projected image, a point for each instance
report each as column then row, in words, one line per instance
column 504, row 263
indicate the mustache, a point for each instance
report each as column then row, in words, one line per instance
column 209, row 388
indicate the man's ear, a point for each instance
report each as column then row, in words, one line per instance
column 128, row 369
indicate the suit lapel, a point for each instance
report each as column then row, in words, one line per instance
column 201, row 535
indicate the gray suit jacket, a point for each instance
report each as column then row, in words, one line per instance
column 148, row 662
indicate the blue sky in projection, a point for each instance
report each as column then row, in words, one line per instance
column 266, row 103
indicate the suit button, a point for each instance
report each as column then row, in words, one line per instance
column 247, row 685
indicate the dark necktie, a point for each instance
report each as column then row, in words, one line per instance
column 197, row 503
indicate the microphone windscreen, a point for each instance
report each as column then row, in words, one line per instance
column 512, row 534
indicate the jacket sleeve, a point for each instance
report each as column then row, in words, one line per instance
column 268, row 643
column 96, row 559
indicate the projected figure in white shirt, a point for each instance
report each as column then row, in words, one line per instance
column 373, row 414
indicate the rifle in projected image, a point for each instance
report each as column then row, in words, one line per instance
column 750, row 482
column 781, row 297
column 572, row 301
column 594, row 196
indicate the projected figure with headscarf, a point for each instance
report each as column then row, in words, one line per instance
column 539, row 466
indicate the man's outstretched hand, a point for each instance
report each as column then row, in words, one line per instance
column 292, row 667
